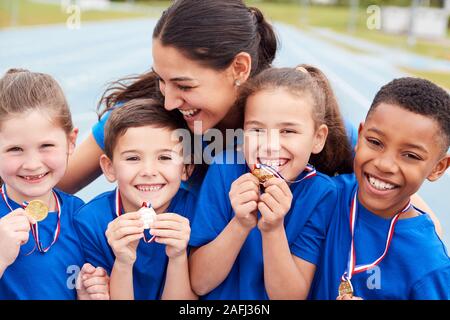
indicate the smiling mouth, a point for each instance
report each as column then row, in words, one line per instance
column 190, row 113
column 36, row 177
column 379, row 184
column 149, row 187
column 273, row 163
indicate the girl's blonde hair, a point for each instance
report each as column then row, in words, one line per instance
column 24, row 91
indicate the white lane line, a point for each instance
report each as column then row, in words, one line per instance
column 361, row 100
column 352, row 62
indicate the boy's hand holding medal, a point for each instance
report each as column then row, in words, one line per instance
column 123, row 236
column 173, row 230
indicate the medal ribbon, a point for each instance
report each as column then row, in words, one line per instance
column 351, row 265
column 309, row 172
column 119, row 211
column 35, row 227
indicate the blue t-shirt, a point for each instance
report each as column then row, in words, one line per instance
column 149, row 270
column 415, row 267
column 312, row 196
column 50, row 275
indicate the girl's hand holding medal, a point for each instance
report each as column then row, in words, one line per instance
column 244, row 197
column 14, row 232
column 274, row 204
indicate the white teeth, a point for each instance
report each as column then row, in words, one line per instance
column 149, row 188
column 380, row 185
column 188, row 113
column 34, row 177
column 273, row 163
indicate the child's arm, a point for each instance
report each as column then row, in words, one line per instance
column 173, row 230
column 83, row 167
column 123, row 236
column 92, row 283
column 210, row 264
column 14, row 232
column 285, row 275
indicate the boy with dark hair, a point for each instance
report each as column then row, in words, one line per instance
column 139, row 232
column 379, row 246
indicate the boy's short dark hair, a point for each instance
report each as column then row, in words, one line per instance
column 421, row 97
column 139, row 113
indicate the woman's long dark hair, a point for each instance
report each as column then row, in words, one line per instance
column 210, row 32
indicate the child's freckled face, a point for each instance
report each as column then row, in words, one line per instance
column 396, row 151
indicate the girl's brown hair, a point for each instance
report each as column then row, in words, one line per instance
column 23, row 91
column 336, row 156
column 210, row 32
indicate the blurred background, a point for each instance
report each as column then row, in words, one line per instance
column 359, row 44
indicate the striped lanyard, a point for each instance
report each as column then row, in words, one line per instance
column 352, row 268
column 119, row 211
column 35, row 227
column 309, row 172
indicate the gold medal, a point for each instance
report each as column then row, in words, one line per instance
column 37, row 209
column 262, row 175
column 345, row 287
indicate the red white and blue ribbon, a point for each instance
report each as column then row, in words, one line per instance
column 351, row 265
column 309, row 172
column 119, row 212
column 35, row 227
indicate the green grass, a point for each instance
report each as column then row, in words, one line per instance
column 336, row 19
column 32, row 13
column 440, row 78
